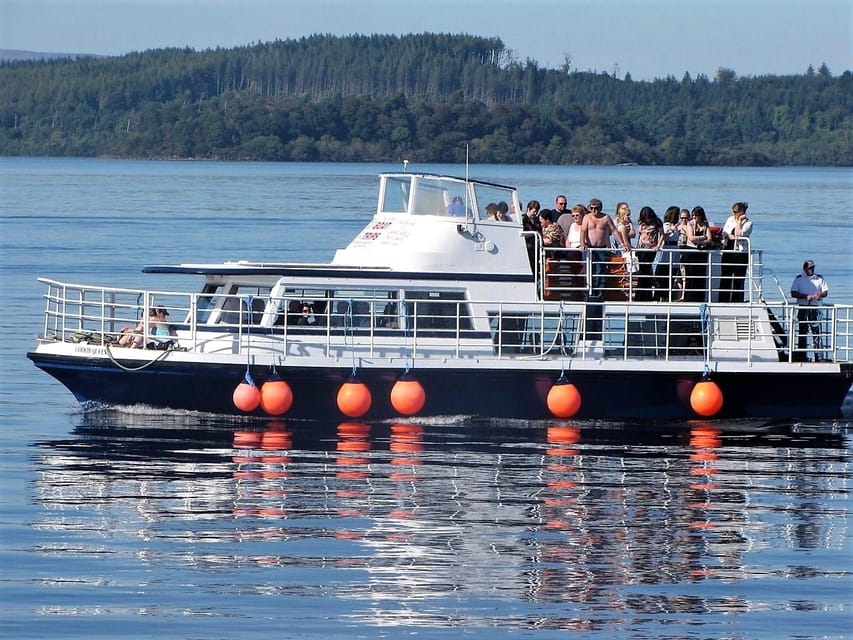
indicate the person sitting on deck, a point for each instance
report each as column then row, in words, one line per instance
column 134, row 338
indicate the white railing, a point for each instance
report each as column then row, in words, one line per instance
column 455, row 329
column 668, row 275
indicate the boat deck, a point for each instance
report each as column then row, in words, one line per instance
column 621, row 330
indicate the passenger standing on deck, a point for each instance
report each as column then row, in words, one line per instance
column 552, row 235
column 809, row 289
column 561, row 204
column 574, row 229
column 736, row 254
column 668, row 271
column 530, row 222
column 695, row 259
column 625, row 230
column 648, row 244
column 552, row 238
column 574, row 256
column 596, row 231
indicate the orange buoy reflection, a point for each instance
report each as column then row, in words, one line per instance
column 353, row 439
column 406, row 447
column 562, row 436
column 261, row 459
column 246, row 439
column 277, row 436
column 560, row 479
column 353, row 442
column 407, row 439
column 705, row 440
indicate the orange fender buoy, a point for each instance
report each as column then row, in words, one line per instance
column 407, row 395
column 564, row 399
column 354, row 398
column 276, row 396
column 246, row 396
column 706, row 399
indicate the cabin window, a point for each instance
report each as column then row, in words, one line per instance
column 644, row 336
column 488, row 194
column 431, row 198
column 438, row 310
column 363, row 308
column 396, row 195
column 534, row 332
column 427, row 196
column 243, row 305
column 302, row 306
column 647, row 335
column 206, row 302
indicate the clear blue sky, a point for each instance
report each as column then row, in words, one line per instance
column 648, row 38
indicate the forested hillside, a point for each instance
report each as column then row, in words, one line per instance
column 420, row 97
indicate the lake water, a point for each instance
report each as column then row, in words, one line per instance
column 144, row 524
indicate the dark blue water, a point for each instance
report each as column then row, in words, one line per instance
column 143, row 524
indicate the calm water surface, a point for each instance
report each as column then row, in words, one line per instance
column 186, row 526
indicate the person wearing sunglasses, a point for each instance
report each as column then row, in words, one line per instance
column 561, row 204
column 572, row 226
column 597, row 230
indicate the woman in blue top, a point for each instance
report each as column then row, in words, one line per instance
column 133, row 337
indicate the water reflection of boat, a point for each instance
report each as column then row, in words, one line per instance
column 433, row 285
column 551, row 513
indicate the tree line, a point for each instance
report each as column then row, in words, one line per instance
column 421, row 97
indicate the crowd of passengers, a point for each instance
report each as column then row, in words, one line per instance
column 664, row 256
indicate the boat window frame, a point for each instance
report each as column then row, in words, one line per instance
column 232, row 310
column 420, row 301
column 425, row 194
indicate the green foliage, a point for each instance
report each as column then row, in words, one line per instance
column 422, row 97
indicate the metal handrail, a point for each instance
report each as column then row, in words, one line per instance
column 540, row 329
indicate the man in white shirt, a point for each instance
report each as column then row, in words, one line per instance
column 809, row 289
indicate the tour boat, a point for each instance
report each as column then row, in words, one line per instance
column 433, row 309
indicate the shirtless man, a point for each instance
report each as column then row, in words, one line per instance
column 596, row 230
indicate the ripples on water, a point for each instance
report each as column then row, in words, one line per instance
column 686, row 530
column 144, row 524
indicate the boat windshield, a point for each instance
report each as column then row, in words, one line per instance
column 416, row 194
